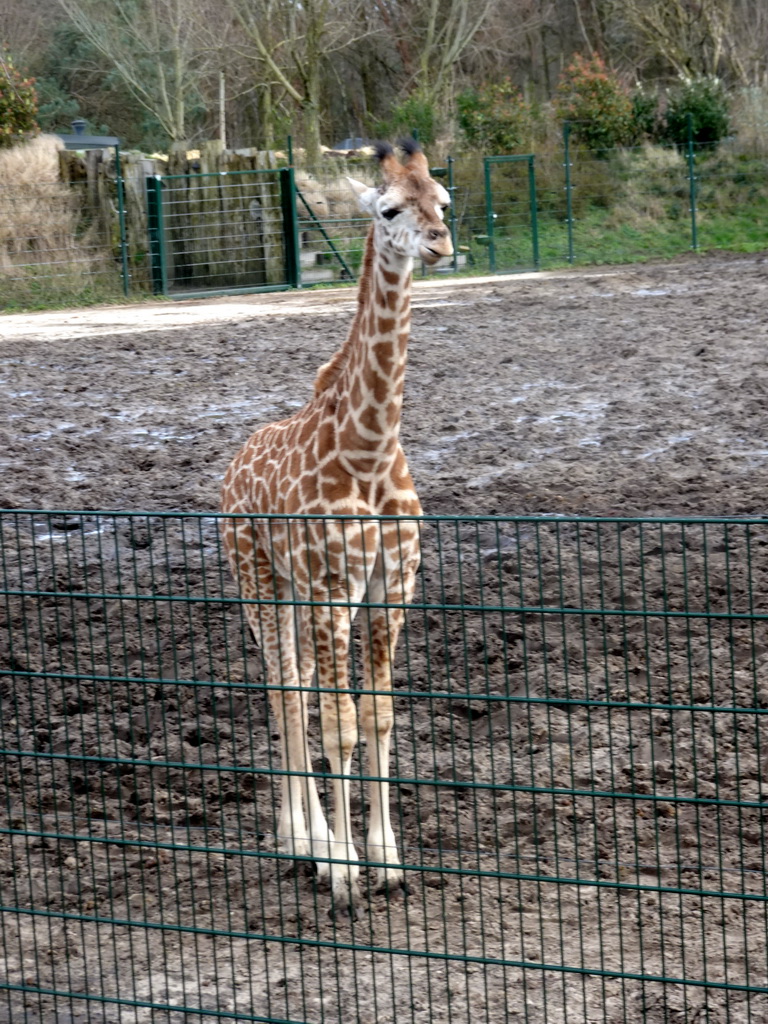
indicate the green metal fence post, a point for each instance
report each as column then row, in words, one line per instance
column 534, row 212
column 490, row 216
column 568, row 187
column 452, row 214
column 692, row 183
column 157, row 258
column 121, row 222
column 290, row 227
column 290, row 150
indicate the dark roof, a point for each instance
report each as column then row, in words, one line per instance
column 89, row 141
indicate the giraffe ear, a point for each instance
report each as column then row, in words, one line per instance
column 365, row 194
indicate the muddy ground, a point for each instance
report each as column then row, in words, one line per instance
column 633, row 391
column 565, row 800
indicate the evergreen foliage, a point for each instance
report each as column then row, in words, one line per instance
column 646, row 123
column 706, row 100
column 415, row 115
column 494, row 119
column 592, row 98
column 18, row 104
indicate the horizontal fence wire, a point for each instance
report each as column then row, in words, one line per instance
column 731, row 194
column 630, row 200
column 578, row 776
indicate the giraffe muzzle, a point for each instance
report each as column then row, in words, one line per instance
column 436, row 251
column 436, row 244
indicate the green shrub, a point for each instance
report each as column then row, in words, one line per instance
column 494, row 119
column 591, row 97
column 414, row 114
column 646, row 124
column 705, row 99
column 18, row 104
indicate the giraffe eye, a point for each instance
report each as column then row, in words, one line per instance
column 390, row 214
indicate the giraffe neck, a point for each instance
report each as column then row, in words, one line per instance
column 370, row 387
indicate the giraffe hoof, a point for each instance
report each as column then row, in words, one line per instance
column 393, row 888
column 345, row 903
column 301, row 869
column 345, row 912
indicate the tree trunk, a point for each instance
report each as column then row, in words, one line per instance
column 311, row 118
column 266, row 118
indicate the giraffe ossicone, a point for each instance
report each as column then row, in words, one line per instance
column 309, row 551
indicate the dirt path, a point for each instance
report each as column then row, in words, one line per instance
column 638, row 390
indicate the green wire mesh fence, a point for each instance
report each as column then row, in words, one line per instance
column 56, row 244
column 579, row 784
column 561, row 205
column 249, row 230
column 731, row 197
column 331, row 227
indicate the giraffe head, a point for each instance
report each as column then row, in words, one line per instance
column 408, row 208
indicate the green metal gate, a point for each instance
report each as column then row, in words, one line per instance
column 512, row 236
column 223, row 232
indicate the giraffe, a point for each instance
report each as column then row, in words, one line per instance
column 340, row 456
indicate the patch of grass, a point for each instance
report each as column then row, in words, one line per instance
column 601, row 237
column 37, row 293
column 633, row 207
column 597, row 242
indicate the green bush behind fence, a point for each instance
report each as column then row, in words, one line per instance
column 579, row 789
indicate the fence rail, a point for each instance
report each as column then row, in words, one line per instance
column 578, row 781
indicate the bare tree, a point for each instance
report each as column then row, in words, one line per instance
column 25, row 28
column 747, row 42
column 303, row 65
column 517, row 40
column 431, row 37
column 154, row 47
column 289, row 43
column 702, row 37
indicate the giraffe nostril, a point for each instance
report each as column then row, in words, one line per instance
column 437, row 233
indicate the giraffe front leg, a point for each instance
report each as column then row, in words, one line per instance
column 291, row 669
column 292, row 833
column 339, row 729
column 320, row 839
column 381, row 845
column 310, row 836
column 380, row 631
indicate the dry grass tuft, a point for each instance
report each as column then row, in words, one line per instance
column 32, row 163
column 38, row 215
column 650, row 187
column 41, row 226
